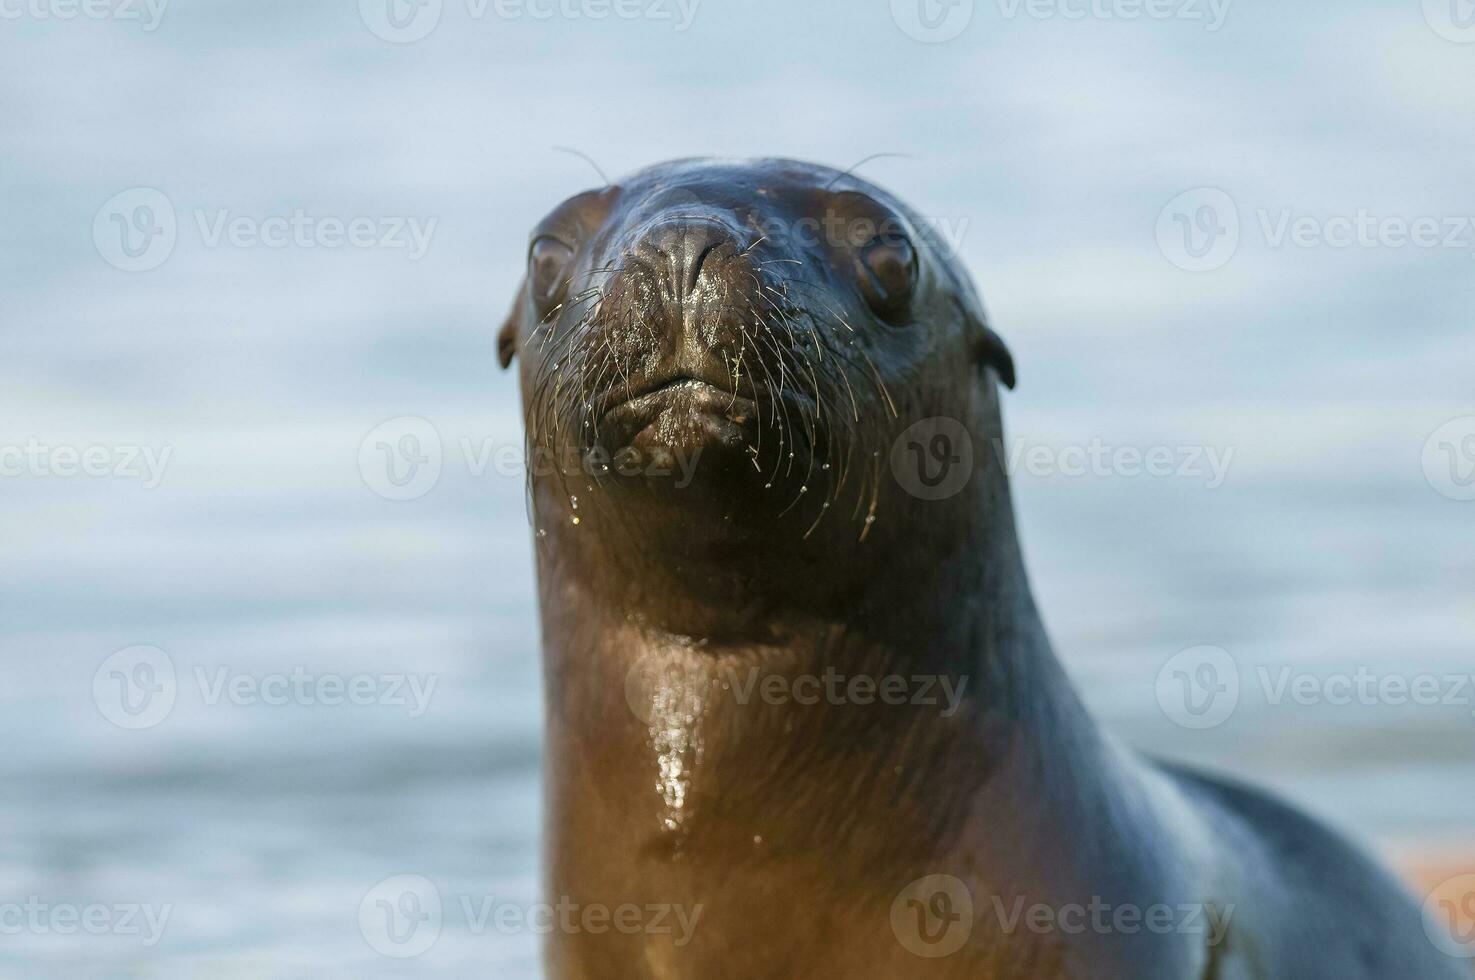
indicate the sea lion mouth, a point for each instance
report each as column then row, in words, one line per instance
column 658, row 389
column 679, row 412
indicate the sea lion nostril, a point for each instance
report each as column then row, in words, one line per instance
column 683, row 246
column 696, row 267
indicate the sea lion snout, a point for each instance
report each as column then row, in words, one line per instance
column 679, row 246
column 683, row 301
column 683, row 298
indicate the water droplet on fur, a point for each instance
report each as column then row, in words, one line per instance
column 576, row 520
column 825, row 467
column 803, row 489
column 573, row 502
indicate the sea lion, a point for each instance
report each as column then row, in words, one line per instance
column 747, row 597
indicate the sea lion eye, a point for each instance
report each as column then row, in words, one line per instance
column 548, row 262
column 891, row 274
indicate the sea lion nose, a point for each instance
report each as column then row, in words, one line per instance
column 684, row 247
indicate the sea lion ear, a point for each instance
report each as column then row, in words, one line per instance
column 995, row 353
column 507, row 338
column 989, row 348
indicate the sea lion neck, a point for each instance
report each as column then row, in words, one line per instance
column 706, row 724
column 670, row 574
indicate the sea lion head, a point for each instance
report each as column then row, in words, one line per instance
column 723, row 354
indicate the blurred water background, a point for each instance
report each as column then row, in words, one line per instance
column 1052, row 144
